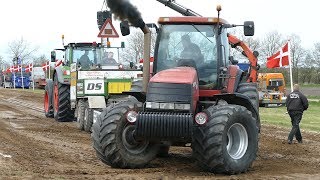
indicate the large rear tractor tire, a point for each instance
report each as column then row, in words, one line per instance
column 136, row 86
column 228, row 142
column 62, row 103
column 114, row 142
column 48, row 96
column 80, row 114
column 250, row 90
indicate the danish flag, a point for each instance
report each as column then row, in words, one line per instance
column 58, row 63
column 17, row 68
column 46, row 66
column 10, row 69
column 29, row 68
column 280, row 58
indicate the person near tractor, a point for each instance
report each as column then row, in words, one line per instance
column 108, row 58
column 84, row 60
column 191, row 50
column 296, row 103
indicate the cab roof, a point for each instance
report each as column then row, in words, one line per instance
column 191, row 20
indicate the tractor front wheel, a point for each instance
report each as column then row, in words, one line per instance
column 228, row 142
column 114, row 142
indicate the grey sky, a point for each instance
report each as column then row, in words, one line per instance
column 42, row 22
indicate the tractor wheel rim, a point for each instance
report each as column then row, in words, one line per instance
column 237, row 141
column 130, row 143
column 46, row 102
column 56, row 98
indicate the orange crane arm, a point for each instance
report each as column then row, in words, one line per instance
column 235, row 42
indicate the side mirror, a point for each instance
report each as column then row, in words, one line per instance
column 248, row 28
column 53, row 56
column 124, row 27
column 256, row 53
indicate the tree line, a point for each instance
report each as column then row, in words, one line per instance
column 25, row 51
column 305, row 62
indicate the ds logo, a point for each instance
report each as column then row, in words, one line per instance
column 94, row 86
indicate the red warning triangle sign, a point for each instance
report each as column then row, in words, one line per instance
column 107, row 30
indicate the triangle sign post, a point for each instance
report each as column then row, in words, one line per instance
column 107, row 30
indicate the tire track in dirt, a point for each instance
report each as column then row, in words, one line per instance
column 42, row 148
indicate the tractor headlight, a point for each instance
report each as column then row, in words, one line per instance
column 166, row 105
column 66, row 72
column 152, row 105
column 176, row 106
column 132, row 116
column 182, row 106
column 201, row 118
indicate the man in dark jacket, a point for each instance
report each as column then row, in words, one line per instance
column 296, row 103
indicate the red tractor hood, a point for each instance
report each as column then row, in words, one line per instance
column 179, row 75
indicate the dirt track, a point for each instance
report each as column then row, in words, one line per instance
column 35, row 147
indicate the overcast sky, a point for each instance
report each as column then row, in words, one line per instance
column 42, row 22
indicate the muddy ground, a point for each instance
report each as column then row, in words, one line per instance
column 35, row 147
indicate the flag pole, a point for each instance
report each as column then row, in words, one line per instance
column 49, row 69
column 32, row 77
column 14, row 79
column 290, row 66
column 21, row 74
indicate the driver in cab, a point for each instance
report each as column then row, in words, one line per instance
column 192, row 56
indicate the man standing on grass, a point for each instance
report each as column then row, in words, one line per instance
column 296, row 103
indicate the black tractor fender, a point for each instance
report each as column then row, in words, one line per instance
column 140, row 96
column 59, row 72
column 242, row 100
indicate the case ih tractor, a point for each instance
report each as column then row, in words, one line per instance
column 85, row 82
column 197, row 98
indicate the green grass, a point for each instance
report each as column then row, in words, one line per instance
column 313, row 97
column 277, row 116
column 304, row 85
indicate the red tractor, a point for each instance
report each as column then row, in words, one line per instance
column 196, row 97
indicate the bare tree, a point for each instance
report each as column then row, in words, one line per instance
column 316, row 55
column 39, row 60
column 272, row 42
column 297, row 54
column 253, row 43
column 22, row 49
column 134, row 48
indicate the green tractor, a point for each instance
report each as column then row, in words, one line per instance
column 88, row 79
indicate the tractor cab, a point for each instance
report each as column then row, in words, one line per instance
column 195, row 42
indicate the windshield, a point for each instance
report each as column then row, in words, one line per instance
column 86, row 57
column 276, row 82
column 109, row 57
column 189, row 45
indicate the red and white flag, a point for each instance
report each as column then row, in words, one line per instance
column 29, row 68
column 10, row 69
column 280, row 58
column 45, row 66
column 17, row 68
column 58, row 63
